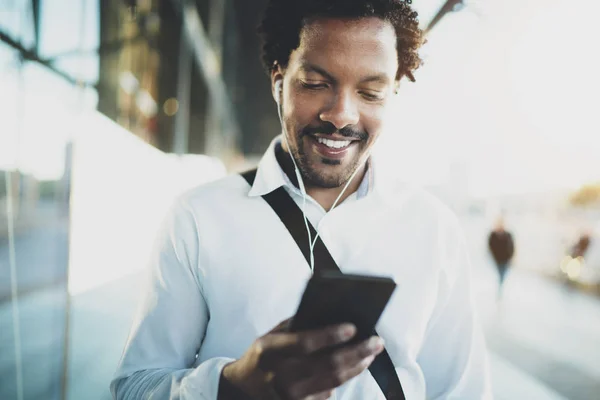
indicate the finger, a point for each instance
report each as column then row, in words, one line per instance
column 275, row 346
column 325, row 371
column 282, row 326
column 299, row 391
column 332, row 379
column 341, row 360
column 319, row 339
column 350, row 355
column 320, row 396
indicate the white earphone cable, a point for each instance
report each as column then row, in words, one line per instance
column 311, row 241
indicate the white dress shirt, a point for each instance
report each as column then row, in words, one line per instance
column 226, row 271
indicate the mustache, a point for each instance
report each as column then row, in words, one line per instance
column 328, row 128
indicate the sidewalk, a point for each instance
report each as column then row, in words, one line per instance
column 510, row 383
column 549, row 333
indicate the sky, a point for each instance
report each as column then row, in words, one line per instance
column 506, row 100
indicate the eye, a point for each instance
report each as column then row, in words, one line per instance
column 372, row 96
column 314, row 86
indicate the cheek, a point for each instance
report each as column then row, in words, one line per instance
column 373, row 123
column 304, row 110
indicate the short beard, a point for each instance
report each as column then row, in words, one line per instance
column 309, row 173
column 312, row 177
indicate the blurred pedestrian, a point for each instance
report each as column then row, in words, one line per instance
column 502, row 248
column 580, row 248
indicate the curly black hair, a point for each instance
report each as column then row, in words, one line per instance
column 283, row 21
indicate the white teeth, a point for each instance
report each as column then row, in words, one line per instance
column 334, row 144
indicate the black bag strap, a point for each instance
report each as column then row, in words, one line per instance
column 382, row 368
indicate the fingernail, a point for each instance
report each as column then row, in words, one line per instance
column 347, row 331
column 367, row 361
column 375, row 343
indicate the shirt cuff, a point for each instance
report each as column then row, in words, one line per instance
column 203, row 382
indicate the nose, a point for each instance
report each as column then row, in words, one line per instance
column 342, row 111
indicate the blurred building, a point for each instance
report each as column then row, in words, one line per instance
column 185, row 95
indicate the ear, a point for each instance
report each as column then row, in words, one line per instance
column 276, row 76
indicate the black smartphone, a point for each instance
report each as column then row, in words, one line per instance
column 334, row 298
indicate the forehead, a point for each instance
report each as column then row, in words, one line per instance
column 348, row 45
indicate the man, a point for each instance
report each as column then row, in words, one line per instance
column 580, row 248
column 502, row 248
column 227, row 271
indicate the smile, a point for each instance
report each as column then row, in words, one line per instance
column 333, row 149
column 334, row 144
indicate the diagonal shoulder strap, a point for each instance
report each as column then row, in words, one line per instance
column 382, row 369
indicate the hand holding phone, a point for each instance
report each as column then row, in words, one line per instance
column 335, row 298
column 319, row 350
column 297, row 365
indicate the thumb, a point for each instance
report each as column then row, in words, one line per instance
column 282, row 326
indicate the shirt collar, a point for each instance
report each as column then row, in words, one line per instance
column 270, row 175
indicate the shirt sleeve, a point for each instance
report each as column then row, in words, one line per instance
column 453, row 356
column 166, row 334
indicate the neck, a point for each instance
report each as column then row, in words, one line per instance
column 327, row 196
column 324, row 196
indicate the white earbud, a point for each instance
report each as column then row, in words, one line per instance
column 278, row 87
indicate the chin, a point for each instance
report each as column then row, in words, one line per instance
column 328, row 179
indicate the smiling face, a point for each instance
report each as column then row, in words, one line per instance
column 336, row 88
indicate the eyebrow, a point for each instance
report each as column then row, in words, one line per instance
column 308, row 67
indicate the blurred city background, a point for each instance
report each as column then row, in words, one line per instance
column 110, row 109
